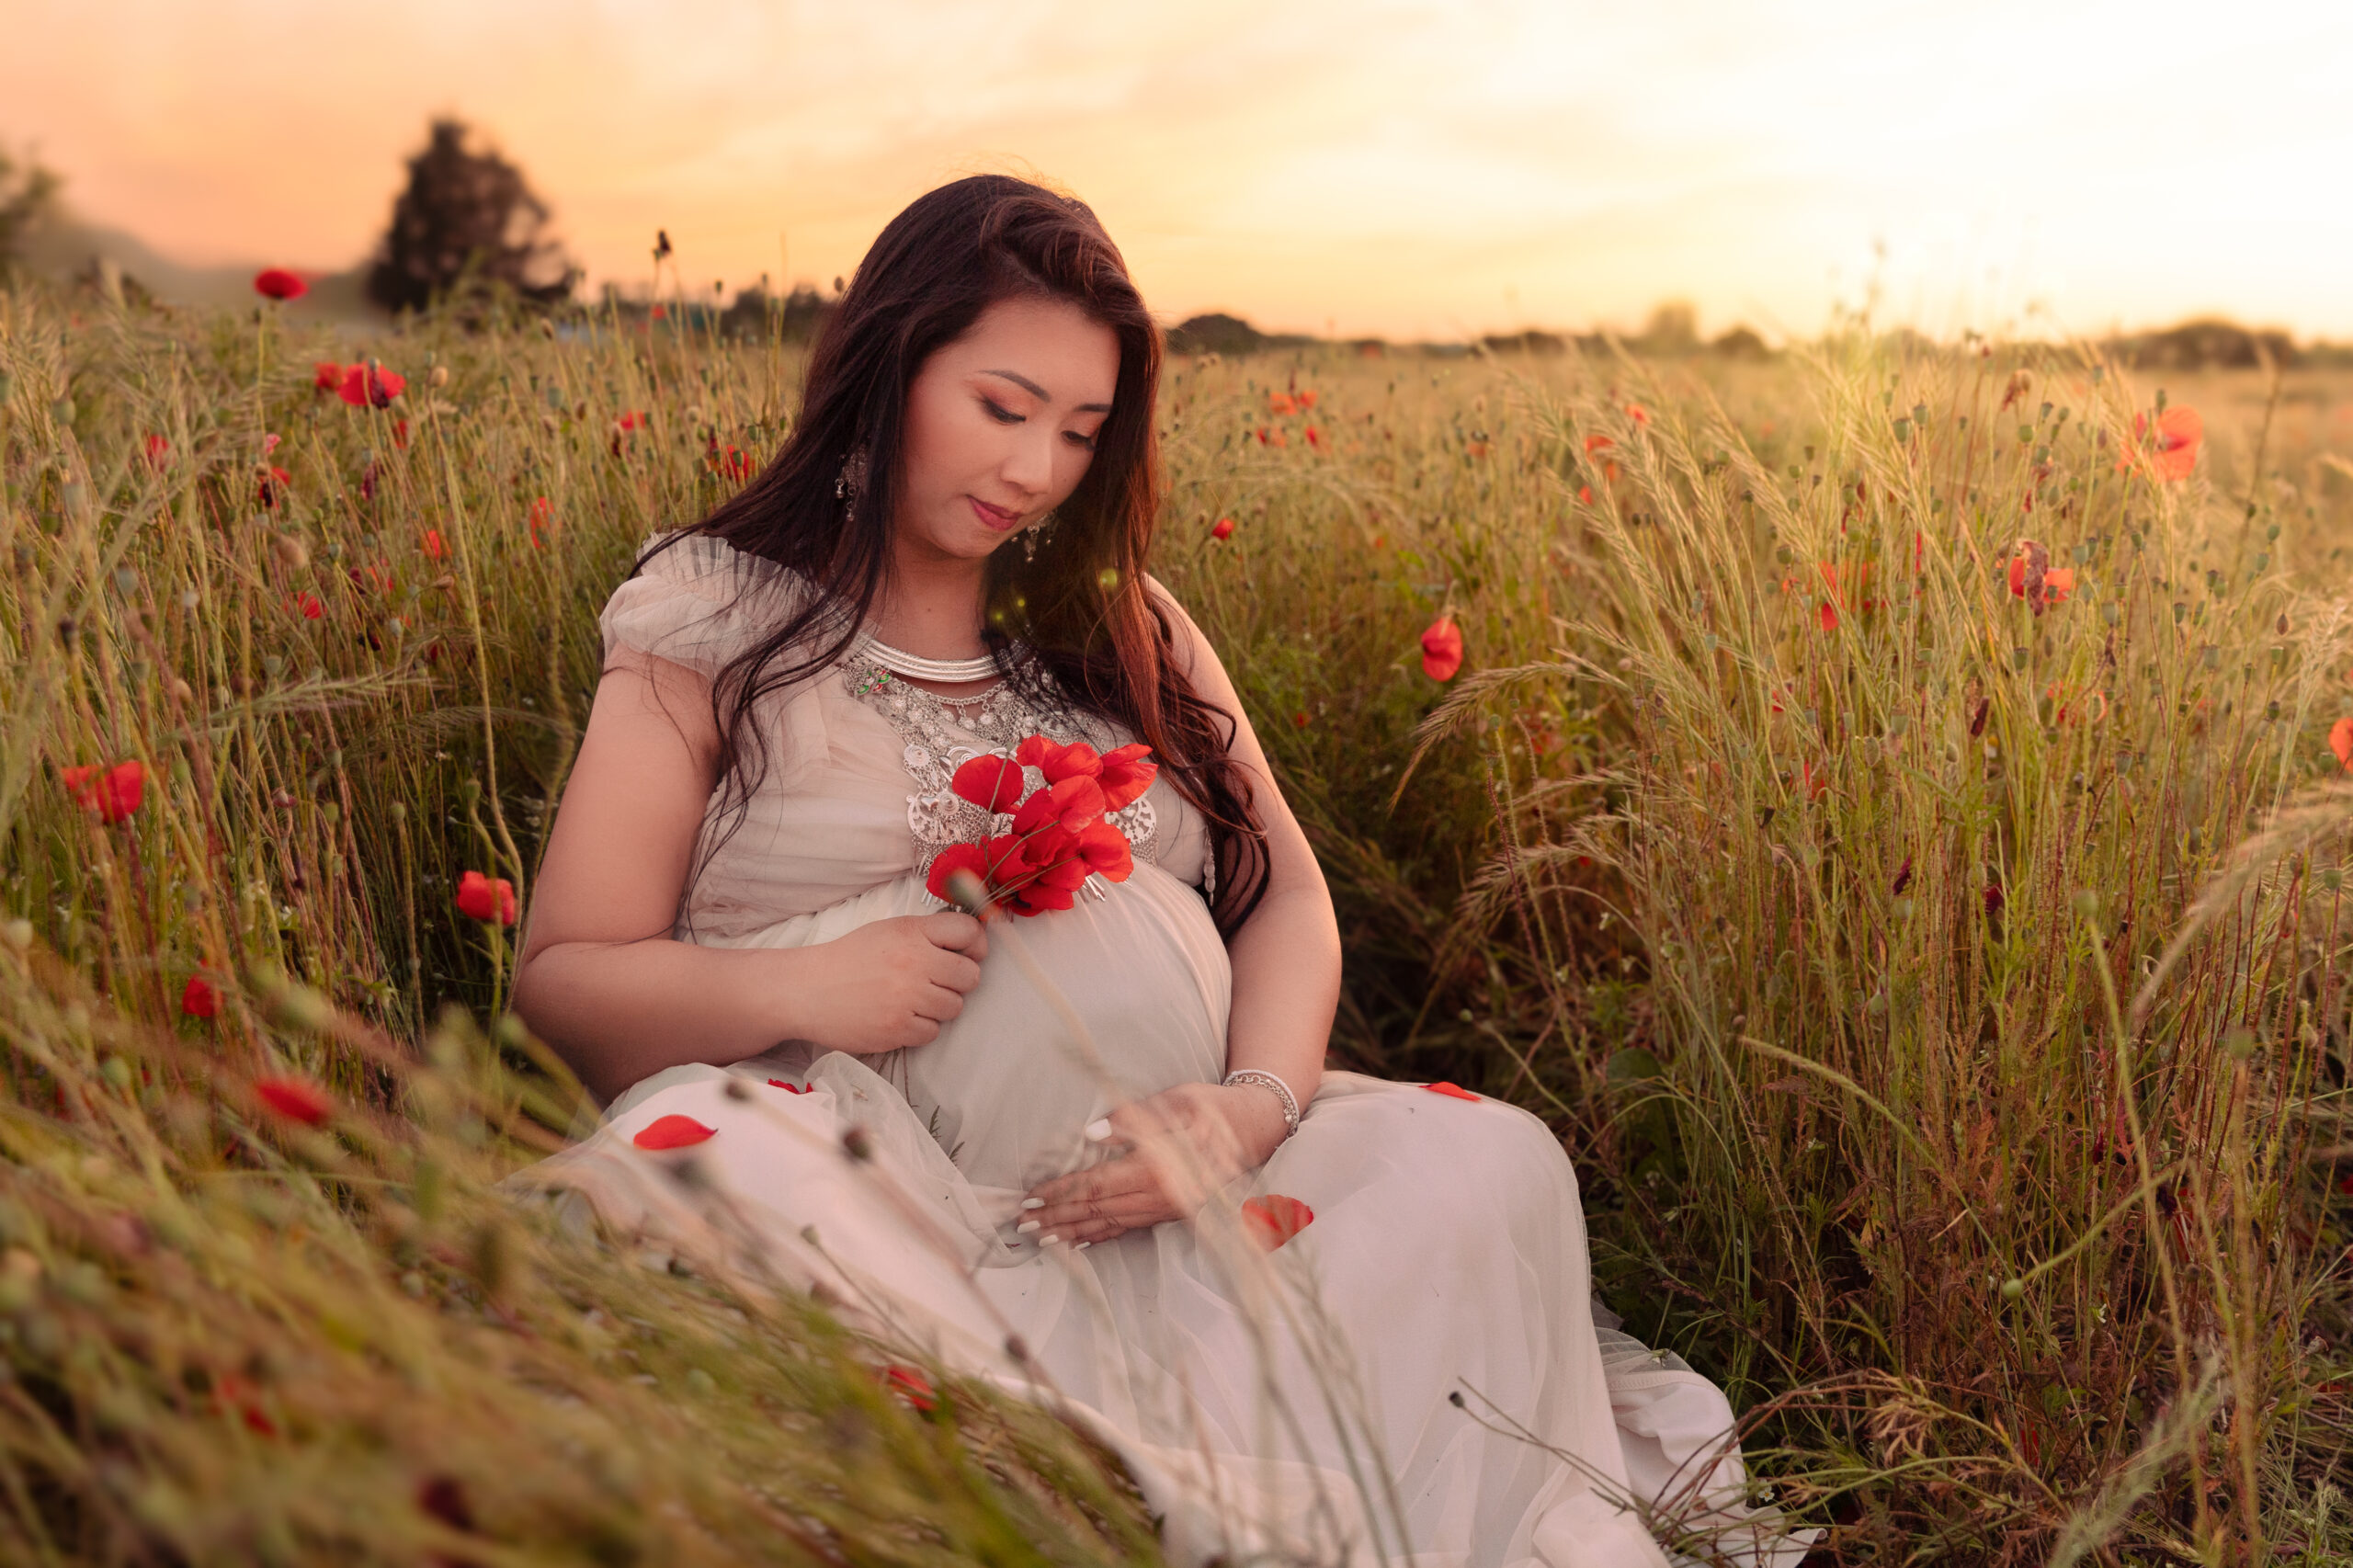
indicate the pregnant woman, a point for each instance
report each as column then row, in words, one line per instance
column 1083, row 1144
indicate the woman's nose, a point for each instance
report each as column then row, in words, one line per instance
column 1029, row 466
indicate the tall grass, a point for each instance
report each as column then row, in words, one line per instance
column 2007, row 1259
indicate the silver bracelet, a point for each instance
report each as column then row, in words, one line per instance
column 1282, row 1090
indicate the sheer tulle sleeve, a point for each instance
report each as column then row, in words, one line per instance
column 698, row 604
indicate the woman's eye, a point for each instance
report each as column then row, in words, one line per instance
column 999, row 413
column 1084, row 442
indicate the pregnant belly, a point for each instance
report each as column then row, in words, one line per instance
column 1120, row 997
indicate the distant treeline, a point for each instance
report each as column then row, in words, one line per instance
column 2203, row 344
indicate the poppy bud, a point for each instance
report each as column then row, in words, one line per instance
column 1441, row 649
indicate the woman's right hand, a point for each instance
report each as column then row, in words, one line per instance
column 889, row 983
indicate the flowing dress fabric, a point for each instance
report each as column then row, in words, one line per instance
column 1417, row 1375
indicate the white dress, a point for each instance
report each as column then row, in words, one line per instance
column 1416, row 1376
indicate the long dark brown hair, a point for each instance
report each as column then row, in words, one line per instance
column 1082, row 607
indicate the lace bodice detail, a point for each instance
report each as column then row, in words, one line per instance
column 943, row 734
column 853, row 790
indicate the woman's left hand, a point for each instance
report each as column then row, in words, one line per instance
column 1184, row 1143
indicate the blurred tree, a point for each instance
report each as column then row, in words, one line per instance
column 467, row 223
column 1674, row 328
column 27, row 197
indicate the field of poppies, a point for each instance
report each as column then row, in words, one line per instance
column 1884, row 805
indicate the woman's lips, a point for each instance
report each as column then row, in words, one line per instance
column 995, row 518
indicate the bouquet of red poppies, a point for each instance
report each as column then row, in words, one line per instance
column 1060, row 835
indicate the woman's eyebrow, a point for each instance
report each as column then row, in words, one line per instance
column 1034, row 389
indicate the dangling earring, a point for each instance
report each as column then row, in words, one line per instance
column 1035, row 535
column 851, row 483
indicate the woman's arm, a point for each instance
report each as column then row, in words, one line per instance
column 1286, row 956
column 599, row 975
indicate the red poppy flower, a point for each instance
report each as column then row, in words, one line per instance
column 198, row 999
column 1441, row 649
column 1056, row 761
column 1585, row 493
column 433, row 545
column 2058, row 582
column 309, row 606
column 1815, row 781
column 325, row 375
column 542, row 516
column 1452, row 1091
column 1307, row 400
column 113, row 792
column 956, row 857
column 1272, row 1220
column 158, row 450
column 296, row 1099
column 232, row 1396
column 2340, row 741
column 1104, row 850
column 1127, row 773
column 1043, row 896
column 266, row 489
column 1281, row 403
column 989, row 781
column 673, row 1132
column 1638, row 413
column 1598, row 443
column 486, row 898
column 400, row 433
column 2172, row 453
column 277, row 283
column 1314, row 434
column 370, row 386
column 1222, row 529
column 1072, row 802
column 912, row 1386
column 1829, row 616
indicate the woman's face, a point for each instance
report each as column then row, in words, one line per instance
column 1001, row 426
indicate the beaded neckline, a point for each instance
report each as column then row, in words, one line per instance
column 939, row 733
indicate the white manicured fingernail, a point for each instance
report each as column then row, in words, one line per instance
column 1026, row 1226
column 1082, row 1247
column 1098, row 1130
column 1048, row 1241
column 1033, row 1203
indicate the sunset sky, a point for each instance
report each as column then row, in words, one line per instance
column 1414, row 170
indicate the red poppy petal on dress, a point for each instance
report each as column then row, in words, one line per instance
column 1452, row 1091
column 788, row 1088
column 1274, row 1219
column 673, row 1132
